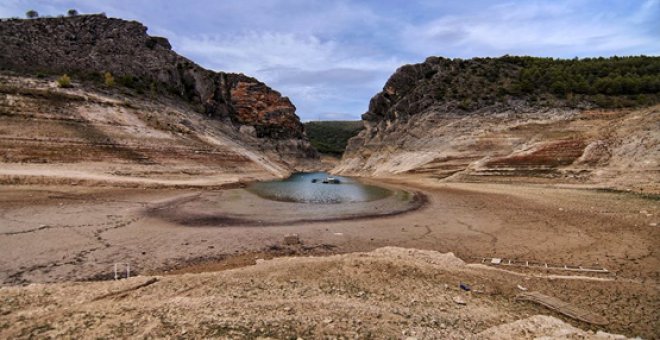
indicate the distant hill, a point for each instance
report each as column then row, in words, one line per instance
column 330, row 137
column 461, row 86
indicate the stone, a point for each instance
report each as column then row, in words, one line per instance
column 292, row 239
column 459, row 300
column 248, row 130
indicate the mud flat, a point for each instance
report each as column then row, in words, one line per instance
column 60, row 234
column 239, row 207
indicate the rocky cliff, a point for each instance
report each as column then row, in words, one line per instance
column 580, row 121
column 90, row 45
column 147, row 79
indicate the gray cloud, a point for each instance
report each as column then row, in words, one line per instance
column 331, row 56
column 560, row 29
column 348, row 77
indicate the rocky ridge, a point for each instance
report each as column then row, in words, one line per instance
column 160, row 109
column 417, row 125
column 87, row 46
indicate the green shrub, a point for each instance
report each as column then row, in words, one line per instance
column 108, row 79
column 128, row 81
column 64, row 81
column 32, row 14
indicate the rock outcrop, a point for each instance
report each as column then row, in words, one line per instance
column 149, row 80
column 90, row 45
column 446, row 119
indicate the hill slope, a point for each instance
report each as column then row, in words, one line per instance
column 516, row 118
column 331, row 137
column 158, row 109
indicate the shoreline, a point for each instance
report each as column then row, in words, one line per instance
column 426, row 191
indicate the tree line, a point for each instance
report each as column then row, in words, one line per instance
column 602, row 82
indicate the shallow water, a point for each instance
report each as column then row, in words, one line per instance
column 300, row 188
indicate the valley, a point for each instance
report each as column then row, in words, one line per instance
column 143, row 195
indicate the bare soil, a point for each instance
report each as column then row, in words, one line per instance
column 388, row 293
column 61, row 234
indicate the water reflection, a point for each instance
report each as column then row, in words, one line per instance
column 309, row 188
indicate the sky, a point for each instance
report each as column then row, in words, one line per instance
column 331, row 56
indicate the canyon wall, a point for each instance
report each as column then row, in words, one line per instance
column 122, row 78
column 469, row 121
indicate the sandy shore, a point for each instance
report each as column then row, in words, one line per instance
column 54, row 234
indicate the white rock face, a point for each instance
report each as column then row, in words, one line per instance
column 614, row 148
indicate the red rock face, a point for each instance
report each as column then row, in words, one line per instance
column 548, row 155
column 271, row 114
column 86, row 46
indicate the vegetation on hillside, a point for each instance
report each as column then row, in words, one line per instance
column 108, row 79
column 64, row 81
column 330, row 137
column 31, row 14
column 608, row 82
column 602, row 82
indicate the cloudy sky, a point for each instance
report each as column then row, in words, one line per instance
column 331, row 56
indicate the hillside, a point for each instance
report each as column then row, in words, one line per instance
column 331, row 137
column 136, row 104
column 462, row 86
column 580, row 121
column 358, row 295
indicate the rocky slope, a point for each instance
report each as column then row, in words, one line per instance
column 356, row 295
column 158, row 107
column 450, row 119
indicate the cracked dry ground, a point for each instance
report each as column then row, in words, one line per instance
column 52, row 235
column 56, row 234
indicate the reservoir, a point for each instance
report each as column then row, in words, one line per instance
column 300, row 199
column 308, row 187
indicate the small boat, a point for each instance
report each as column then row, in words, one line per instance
column 315, row 180
column 331, row 180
